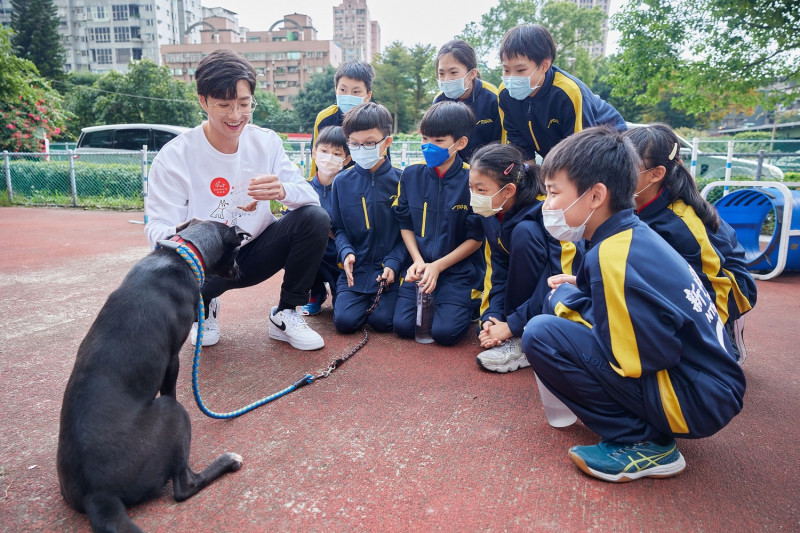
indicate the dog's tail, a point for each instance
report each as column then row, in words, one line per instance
column 107, row 514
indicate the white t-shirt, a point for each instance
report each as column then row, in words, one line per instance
column 190, row 179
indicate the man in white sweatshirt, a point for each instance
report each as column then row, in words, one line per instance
column 228, row 170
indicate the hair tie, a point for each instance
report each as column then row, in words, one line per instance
column 673, row 152
column 506, row 171
column 526, row 166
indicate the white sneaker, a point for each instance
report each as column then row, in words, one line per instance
column 290, row 326
column 507, row 357
column 210, row 326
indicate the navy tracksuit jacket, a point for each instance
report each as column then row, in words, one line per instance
column 328, row 269
column 563, row 105
column 488, row 126
column 717, row 257
column 520, row 256
column 437, row 211
column 364, row 225
column 637, row 350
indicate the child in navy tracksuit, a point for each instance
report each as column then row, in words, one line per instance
column 366, row 231
column 540, row 104
column 668, row 200
column 635, row 347
column 520, row 254
column 459, row 81
column 441, row 232
column 331, row 154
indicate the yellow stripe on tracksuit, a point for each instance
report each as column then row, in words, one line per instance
column 366, row 216
column 573, row 92
column 322, row 115
column 570, row 314
column 487, row 279
column 722, row 282
column 424, row 217
column 613, row 256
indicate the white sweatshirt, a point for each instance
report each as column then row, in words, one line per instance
column 190, row 179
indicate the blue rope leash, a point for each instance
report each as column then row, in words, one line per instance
column 197, row 269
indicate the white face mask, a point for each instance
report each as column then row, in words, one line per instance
column 556, row 223
column 329, row 164
column 637, row 193
column 482, row 205
column 367, row 158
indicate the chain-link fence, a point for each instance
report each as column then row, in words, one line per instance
column 116, row 179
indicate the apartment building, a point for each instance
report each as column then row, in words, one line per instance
column 354, row 32
column 285, row 56
column 597, row 49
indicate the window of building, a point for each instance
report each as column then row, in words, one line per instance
column 133, row 10
column 292, row 55
column 119, row 12
column 122, row 34
column 282, row 98
column 100, row 35
column 136, row 32
column 103, row 56
column 322, row 54
column 136, row 53
column 292, row 69
column 98, row 13
column 123, row 55
column 281, row 84
column 293, row 83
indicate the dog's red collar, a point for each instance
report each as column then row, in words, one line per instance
column 192, row 247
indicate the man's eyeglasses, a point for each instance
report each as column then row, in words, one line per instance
column 367, row 145
column 223, row 109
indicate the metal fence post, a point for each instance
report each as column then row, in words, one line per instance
column 144, row 181
column 728, row 165
column 72, row 186
column 760, row 165
column 9, row 189
column 693, row 166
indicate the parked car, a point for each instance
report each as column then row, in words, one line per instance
column 713, row 166
column 98, row 142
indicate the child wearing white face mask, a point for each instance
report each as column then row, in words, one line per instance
column 540, row 104
column 459, row 81
column 634, row 346
column 331, row 154
column 520, row 254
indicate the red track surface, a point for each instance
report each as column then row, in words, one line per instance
column 402, row 437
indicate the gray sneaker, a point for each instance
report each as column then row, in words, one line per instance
column 507, row 357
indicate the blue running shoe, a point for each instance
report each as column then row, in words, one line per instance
column 625, row 461
column 314, row 305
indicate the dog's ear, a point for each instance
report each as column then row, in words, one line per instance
column 242, row 234
column 182, row 226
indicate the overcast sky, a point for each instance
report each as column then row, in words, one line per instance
column 409, row 21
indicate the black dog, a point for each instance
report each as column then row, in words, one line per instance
column 119, row 441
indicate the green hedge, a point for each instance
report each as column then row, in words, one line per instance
column 49, row 181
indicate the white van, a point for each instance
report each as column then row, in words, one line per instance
column 97, row 140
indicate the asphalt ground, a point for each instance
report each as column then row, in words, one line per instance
column 402, row 437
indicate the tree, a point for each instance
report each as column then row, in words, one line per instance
column 714, row 55
column 424, row 79
column 35, row 24
column 317, row 94
column 394, row 85
column 571, row 26
column 29, row 107
column 146, row 93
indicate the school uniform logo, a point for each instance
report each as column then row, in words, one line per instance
column 460, row 206
column 552, row 121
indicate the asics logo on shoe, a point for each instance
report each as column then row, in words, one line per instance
column 280, row 325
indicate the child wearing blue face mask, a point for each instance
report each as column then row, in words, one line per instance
column 366, row 231
column 459, row 81
column 540, row 104
column 635, row 347
column 520, row 254
column 353, row 85
column 440, row 231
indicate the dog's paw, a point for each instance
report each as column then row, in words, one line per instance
column 235, row 459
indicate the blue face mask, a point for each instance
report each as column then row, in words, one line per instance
column 435, row 155
column 519, row 87
column 454, row 89
column 346, row 102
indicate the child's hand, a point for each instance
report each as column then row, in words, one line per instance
column 429, row 277
column 348, row 263
column 494, row 333
column 554, row 281
column 415, row 271
column 388, row 275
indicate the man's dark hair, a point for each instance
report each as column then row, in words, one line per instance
column 218, row 73
column 355, row 70
column 598, row 155
column 367, row 116
column 532, row 41
column 447, row 118
column 333, row 136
